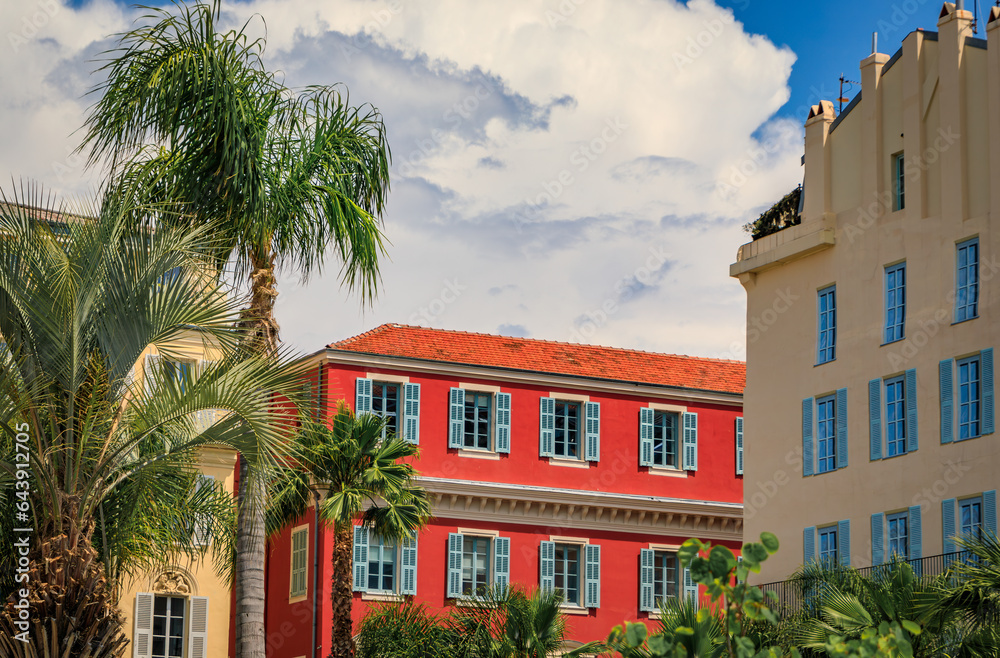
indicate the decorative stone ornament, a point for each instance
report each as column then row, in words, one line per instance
column 172, row 582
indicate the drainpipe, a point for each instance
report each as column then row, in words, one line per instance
column 315, row 592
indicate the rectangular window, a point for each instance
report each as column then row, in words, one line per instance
column 898, row 535
column 567, row 429
column 567, row 572
column 382, row 561
column 477, row 420
column 168, row 627
column 475, row 565
column 826, row 434
column 664, row 439
column 828, row 545
column 300, row 562
column 967, row 281
column 664, row 577
column 385, row 403
column 969, row 397
column 895, row 302
column 898, row 182
column 827, row 324
column 970, row 516
column 895, row 416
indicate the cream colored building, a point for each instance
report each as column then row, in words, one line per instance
column 871, row 324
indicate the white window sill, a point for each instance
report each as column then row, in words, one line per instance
column 667, row 471
column 569, row 462
column 574, row 610
column 478, row 454
column 374, row 596
column 299, row 598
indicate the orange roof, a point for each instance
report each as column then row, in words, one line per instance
column 492, row 351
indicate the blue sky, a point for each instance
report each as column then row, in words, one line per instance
column 573, row 170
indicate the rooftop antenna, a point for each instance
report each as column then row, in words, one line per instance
column 842, row 99
column 874, row 42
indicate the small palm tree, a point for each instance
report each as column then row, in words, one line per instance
column 82, row 297
column 511, row 622
column 364, row 477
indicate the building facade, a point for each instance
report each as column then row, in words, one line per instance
column 871, row 327
column 571, row 467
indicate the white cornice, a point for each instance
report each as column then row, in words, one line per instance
column 526, row 377
column 593, row 510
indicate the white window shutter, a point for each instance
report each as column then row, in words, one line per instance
column 503, row 422
column 455, row 542
column 456, row 417
column 409, row 571
column 593, row 576
column 646, row 436
column 360, row 558
column 547, row 566
column 739, row 445
column 501, row 566
column 198, row 628
column 142, row 638
column 547, row 427
column 690, row 441
column 592, row 445
column 362, row 396
column 411, row 413
column 690, row 588
column 646, row 560
column 151, row 367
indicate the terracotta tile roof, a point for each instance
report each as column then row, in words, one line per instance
column 550, row 357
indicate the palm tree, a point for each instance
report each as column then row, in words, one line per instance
column 511, row 622
column 81, row 298
column 365, row 477
column 191, row 113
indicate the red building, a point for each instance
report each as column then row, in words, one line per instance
column 575, row 467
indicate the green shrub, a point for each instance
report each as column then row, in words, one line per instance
column 405, row 630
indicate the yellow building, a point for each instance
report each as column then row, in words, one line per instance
column 869, row 405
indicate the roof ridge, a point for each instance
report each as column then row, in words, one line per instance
column 397, row 325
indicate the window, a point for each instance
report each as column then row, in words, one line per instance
column 970, row 515
column 825, row 433
column 664, row 577
column 895, row 416
column 479, row 420
column 895, row 302
column 382, row 557
column 476, row 433
column 969, row 398
column 300, row 562
column 967, row 281
column 828, row 545
column 664, row 439
column 383, row 565
column 898, row 182
column 475, row 565
column 975, row 396
column 170, row 626
column 476, row 562
column 668, row 439
column 574, row 569
column 976, row 514
column 827, row 324
column 739, row 445
column 567, row 572
column 385, row 403
column 567, row 429
column 169, row 277
column 898, row 535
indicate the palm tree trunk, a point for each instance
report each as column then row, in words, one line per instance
column 262, row 336
column 341, row 594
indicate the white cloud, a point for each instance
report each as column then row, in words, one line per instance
column 537, row 151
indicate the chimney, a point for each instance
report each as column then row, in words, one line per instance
column 816, row 182
column 954, row 27
column 871, row 128
column 993, row 100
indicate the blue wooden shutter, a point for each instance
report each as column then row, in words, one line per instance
column 739, row 445
column 646, row 559
column 456, row 417
column 990, row 510
column 454, row 565
column 501, row 563
column 360, row 558
column 362, row 396
column 198, row 628
column 986, row 358
column 593, row 576
column 916, row 532
column 841, row 428
column 878, row 550
column 910, row 391
column 547, row 566
column 948, row 525
column 808, row 463
column 592, row 441
column 844, row 542
column 503, row 422
column 690, row 588
column 875, row 419
column 411, row 413
column 947, row 401
column 547, row 427
column 808, row 544
column 143, row 634
column 645, row 436
column 409, row 570
column 690, row 441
